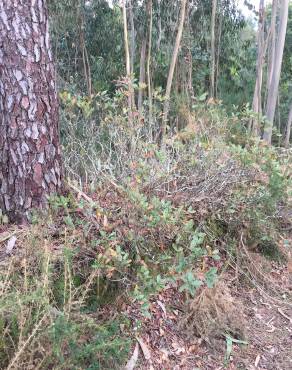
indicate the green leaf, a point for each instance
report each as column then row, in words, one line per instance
column 228, row 350
column 191, row 283
column 211, row 277
column 197, row 240
column 229, row 344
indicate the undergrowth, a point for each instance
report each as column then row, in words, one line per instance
column 138, row 218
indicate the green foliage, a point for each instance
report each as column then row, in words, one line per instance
column 44, row 302
column 87, row 343
column 190, row 283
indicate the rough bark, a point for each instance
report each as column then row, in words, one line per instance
column 213, row 62
column 30, row 163
column 288, row 128
column 172, row 66
column 273, row 89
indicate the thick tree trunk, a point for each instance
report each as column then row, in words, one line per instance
column 273, row 89
column 30, row 163
column 288, row 128
column 172, row 66
column 213, row 62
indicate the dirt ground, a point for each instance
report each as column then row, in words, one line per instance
column 265, row 317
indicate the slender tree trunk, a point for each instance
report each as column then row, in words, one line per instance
column 133, row 41
column 128, row 63
column 257, row 97
column 150, row 12
column 272, row 43
column 172, row 67
column 273, row 90
column 190, row 89
column 142, row 74
column 30, row 161
column 288, row 128
column 85, row 58
column 213, row 61
column 278, row 117
column 218, row 54
column 159, row 25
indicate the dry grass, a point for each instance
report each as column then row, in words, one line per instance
column 214, row 312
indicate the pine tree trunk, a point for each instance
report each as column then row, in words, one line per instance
column 30, row 162
column 274, row 86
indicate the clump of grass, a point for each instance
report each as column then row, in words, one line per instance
column 213, row 312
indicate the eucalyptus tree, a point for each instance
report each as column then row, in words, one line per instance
column 213, row 50
column 288, row 128
column 257, row 97
column 173, row 64
column 276, row 72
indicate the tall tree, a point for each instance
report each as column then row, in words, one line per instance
column 213, row 61
column 85, row 57
column 128, row 62
column 30, row 162
column 150, row 13
column 257, row 97
column 218, row 51
column 142, row 74
column 273, row 42
column 288, row 128
column 172, row 65
column 133, row 36
column 274, row 86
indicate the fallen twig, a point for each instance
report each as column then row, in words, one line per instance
column 133, row 360
column 284, row 315
column 81, row 193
